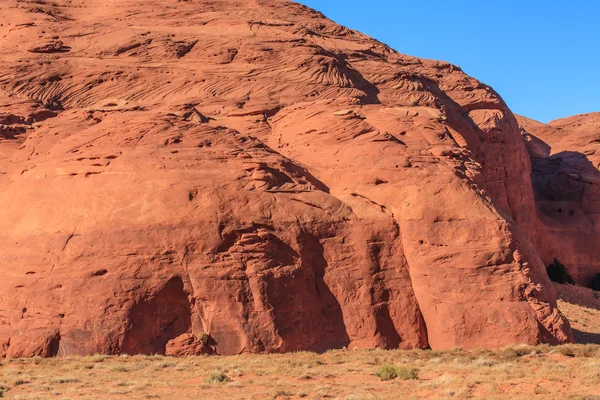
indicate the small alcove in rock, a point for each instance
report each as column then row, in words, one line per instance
column 156, row 320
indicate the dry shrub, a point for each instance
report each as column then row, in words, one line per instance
column 389, row 372
column 509, row 353
column 217, row 377
column 578, row 350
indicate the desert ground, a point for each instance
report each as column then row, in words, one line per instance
column 542, row 372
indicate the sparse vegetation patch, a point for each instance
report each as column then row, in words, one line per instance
column 389, row 372
column 218, row 377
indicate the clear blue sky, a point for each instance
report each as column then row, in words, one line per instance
column 543, row 57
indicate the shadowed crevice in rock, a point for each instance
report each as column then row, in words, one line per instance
column 363, row 84
column 293, row 167
column 153, row 322
column 53, row 345
column 308, row 315
column 285, row 254
column 335, row 335
column 384, row 324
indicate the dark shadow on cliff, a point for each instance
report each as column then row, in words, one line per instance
column 306, row 313
column 361, row 83
column 335, row 335
column 566, row 186
column 291, row 166
column 564, row 176
column 153, row 321
column 381, row 297
column 586, row 337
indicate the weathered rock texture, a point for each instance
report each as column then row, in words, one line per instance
column 566, row 184
column 250, row 169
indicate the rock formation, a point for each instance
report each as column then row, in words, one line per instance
column 566, row 184
column 251, row 171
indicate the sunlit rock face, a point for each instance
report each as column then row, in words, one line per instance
column 236, row 176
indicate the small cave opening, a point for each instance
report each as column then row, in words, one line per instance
column 152, row 322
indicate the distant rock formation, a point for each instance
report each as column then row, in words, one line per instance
column 252, row 171
column 566, row 184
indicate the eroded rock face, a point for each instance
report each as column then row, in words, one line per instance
column 251, row 170
column 566, row 184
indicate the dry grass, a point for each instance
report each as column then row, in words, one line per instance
column 569, row 372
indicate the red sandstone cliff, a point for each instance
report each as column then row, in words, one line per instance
column 252, row 170
column 566, row 183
